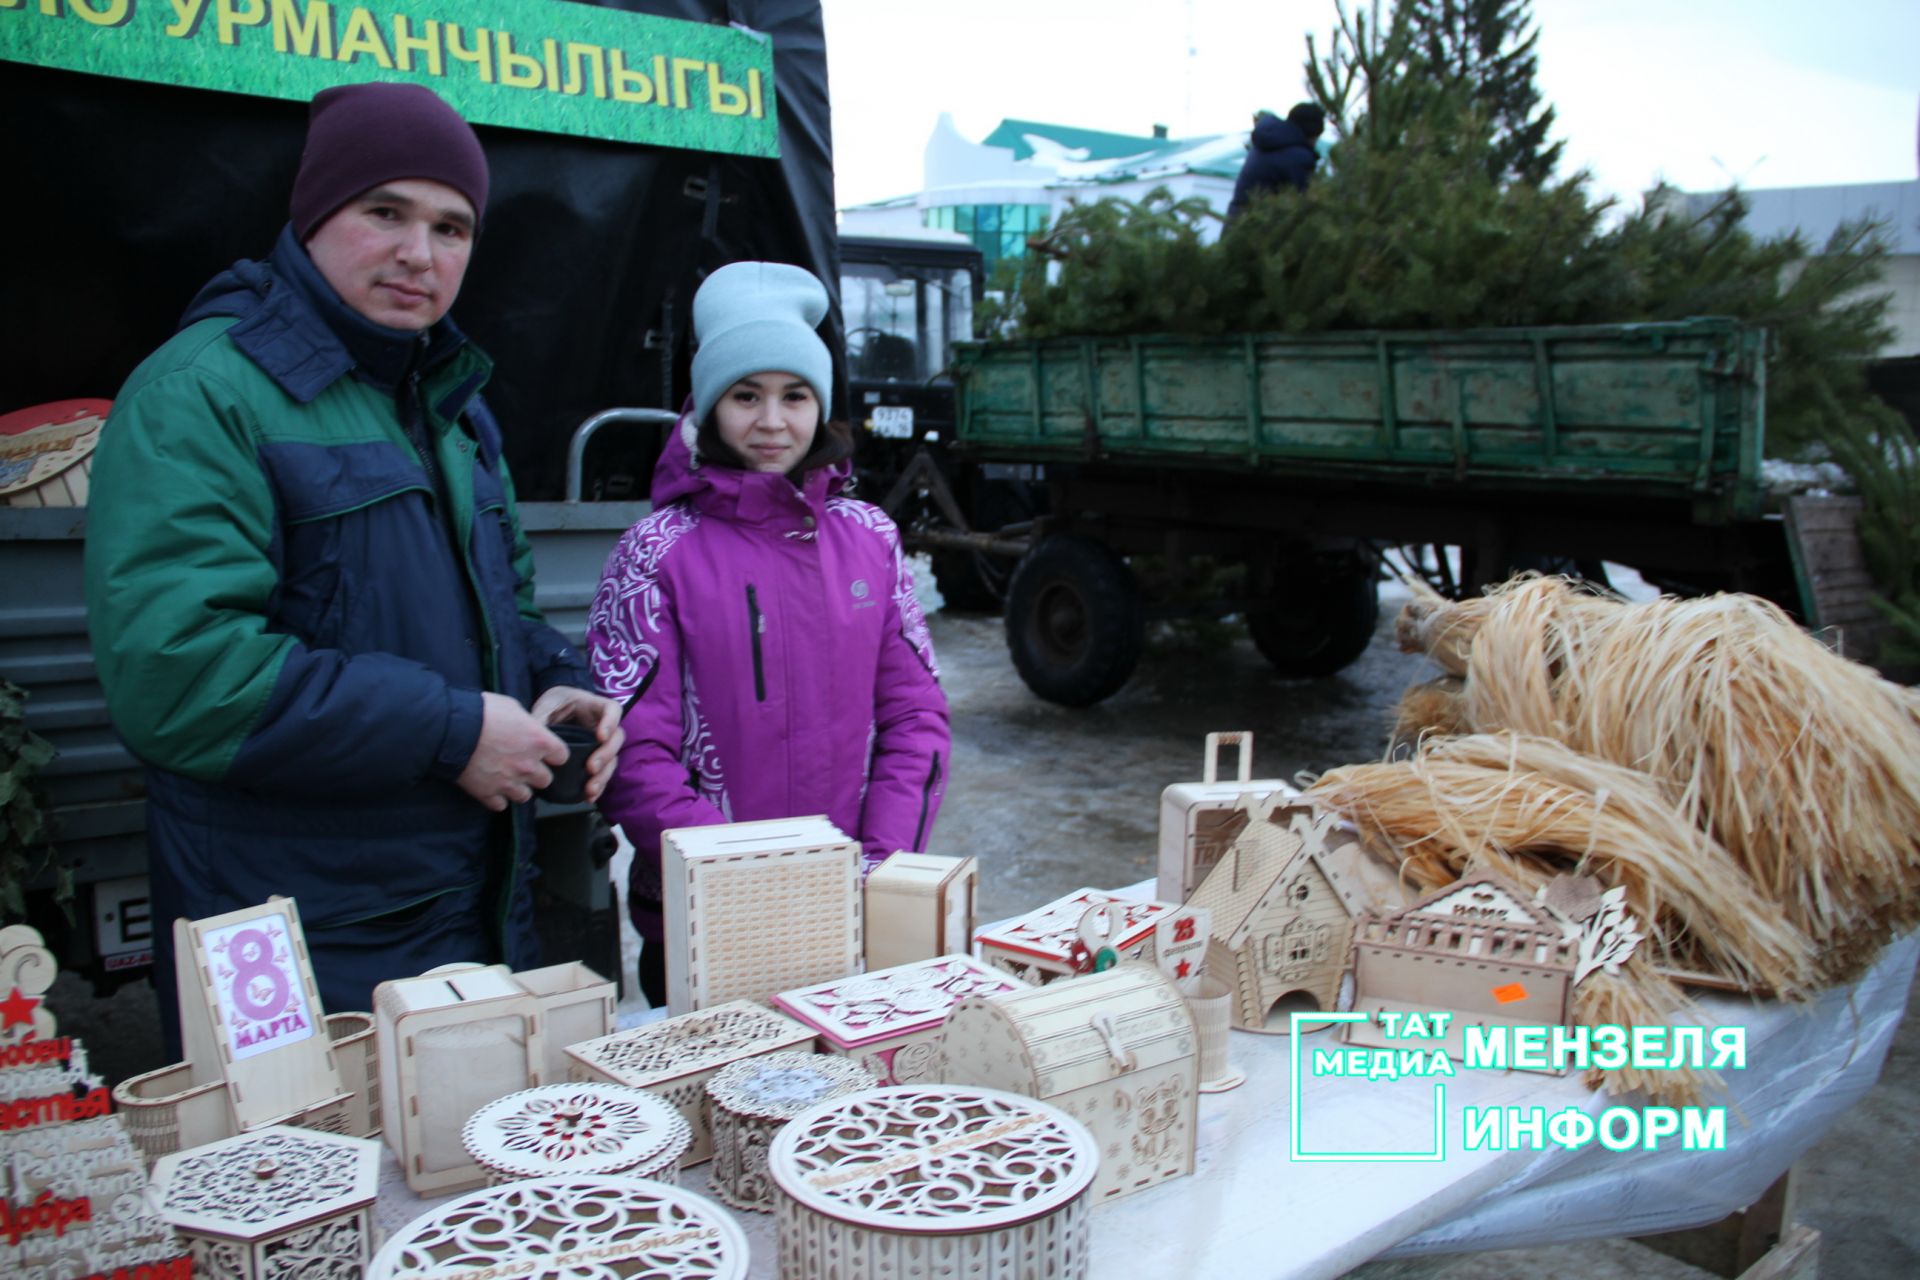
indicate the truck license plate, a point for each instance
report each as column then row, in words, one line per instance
column 892, row 422
column 123, row 923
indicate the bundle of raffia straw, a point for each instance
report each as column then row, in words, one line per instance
column 1530, row 809
column 1803, row 766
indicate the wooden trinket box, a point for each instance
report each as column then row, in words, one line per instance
column 574, row 1226
column 1198, row 820
column 451, row 1041
column 757, row 907
column 919, row 905
column 274, row 1202
column 889, row 1022
column 1115, row 1050
column 1050, row 943
column 676, row 1057
column 575, row 1004
column 582, row 1128
column 933, row 1182
column 751, row 1101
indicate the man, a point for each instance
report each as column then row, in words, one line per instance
column 1280, row 153
column 310, row 599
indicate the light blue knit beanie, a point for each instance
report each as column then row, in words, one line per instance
column 758, row 317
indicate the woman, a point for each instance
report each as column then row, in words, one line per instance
column 760, row 628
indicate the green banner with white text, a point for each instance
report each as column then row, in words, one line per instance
column 545, row 65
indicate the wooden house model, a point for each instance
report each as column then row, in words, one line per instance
column 1283, row 901
column 1479, row 948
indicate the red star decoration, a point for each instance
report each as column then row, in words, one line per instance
column 1183, row 969
column 18, row 1010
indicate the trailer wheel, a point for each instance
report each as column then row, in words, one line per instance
column 1322, row 623
column 1075, row 625
column 965, row 582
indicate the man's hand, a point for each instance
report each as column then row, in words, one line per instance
column 562, row 704
column 510, row 761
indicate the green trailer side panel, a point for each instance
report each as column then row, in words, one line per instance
column 1674, row 409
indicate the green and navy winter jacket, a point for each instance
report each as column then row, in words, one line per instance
column 294, row 618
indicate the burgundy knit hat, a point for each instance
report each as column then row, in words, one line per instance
column 361, row 135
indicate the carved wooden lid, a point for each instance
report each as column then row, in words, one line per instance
column 779, row 1086
column 893, row 1002
column 696, row 1041
column 571, row 1226
column 931, row 1159
column 1050, row 932
column 262, row 1183
column 582, row 1128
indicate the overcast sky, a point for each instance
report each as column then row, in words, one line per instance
column 1768, row 93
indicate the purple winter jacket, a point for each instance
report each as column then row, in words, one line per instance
column 773, row 661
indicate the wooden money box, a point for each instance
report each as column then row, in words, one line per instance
column 757, row 907
column 918, row 906
column 1198, row 820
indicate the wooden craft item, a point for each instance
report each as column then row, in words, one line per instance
column 276, row 1202
column 575, row 1004
column 451, row 1041
column 757, row 907
column 1180, row 946
column 77, row 1203
column 1115, row 1050
column 569, row 1226
column 753, row 1100
column 918, row 906
column 677, row 1056
column 250, row 1014
column 578, row 1129
column 1283, row 901
column 1211, row 1004
column 1478, row 948
column 889, row 1021
column 933, row 1182
column 46, row 453
column 1198, row 820
column 165, row 1112
column 1049, row 943
column 74, row 1197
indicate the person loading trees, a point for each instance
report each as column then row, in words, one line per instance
column 1279, row 154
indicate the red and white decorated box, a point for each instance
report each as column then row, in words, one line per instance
column 1060, row 940
column 889, row 1021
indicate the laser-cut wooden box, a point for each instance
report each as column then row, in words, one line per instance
column 1198, row 820
column 1115, row 1050
column 757, row 907
column 933, row 1182
column 276, row 1202
column 889, row 1021
column 575, row 1004
column 919, row 905
column 1477, row 947
column 752, row 1100
column 677, row 1056
column 578, row 1129
column 451, row 1041
column 1047, row 944
column 573, row 1226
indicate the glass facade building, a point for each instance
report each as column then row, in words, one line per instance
column 997, row 230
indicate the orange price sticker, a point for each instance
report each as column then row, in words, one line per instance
column 1511, row 992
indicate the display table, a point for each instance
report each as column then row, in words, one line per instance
column 1252, row 1211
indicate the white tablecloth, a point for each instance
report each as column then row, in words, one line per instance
column 1251, row 1211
